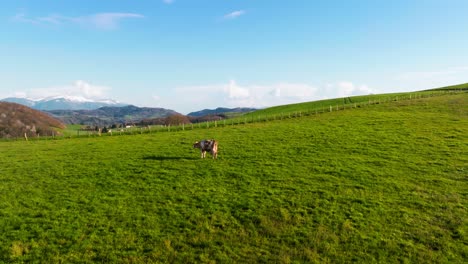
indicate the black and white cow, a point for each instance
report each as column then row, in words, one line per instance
column 210, row 146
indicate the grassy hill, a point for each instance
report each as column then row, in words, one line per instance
column 17, row 120
column 328, row 105
column 221, row 110
column 380, row 183
column 459, row 87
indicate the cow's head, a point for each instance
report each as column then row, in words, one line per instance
column 197, row 144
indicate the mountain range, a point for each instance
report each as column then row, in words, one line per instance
column 63, row 102
column 109, row 115
column 79, row 110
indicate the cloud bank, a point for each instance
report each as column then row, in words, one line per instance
column 193, row 98
column 232, row 94
column 78, row 89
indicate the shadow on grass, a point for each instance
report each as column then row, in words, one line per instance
column 154, row 157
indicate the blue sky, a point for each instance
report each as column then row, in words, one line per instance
column 188, row 55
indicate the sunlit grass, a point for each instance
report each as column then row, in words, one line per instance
column 385, row 183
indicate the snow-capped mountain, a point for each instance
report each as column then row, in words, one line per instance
column 64, row 103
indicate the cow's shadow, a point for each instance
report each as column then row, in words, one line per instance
column 155, row 157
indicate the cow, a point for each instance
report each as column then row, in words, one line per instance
column 210, row 146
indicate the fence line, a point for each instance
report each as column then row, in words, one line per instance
column 244, row 120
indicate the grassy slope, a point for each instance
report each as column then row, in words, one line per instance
column 349, row 102
column 384, row 183
column 70, row 130
column 458, row 87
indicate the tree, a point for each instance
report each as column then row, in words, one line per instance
column 177, row 119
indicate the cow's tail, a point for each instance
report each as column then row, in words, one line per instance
column 215, row 149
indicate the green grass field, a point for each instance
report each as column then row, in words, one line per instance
column 384, row 183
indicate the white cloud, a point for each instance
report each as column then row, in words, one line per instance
column 234, row 14
column 79, row 88
column 236, row 91
column 233, row 94
column 88, row 90
column 20, row 95
column 346, row 89
column 104, row 21
column 294, row 91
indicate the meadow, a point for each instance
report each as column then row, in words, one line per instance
column 385, row 183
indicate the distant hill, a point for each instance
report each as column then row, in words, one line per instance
column 105, row 116
column 221, row 110
column 17, row 119
column 63, row 103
